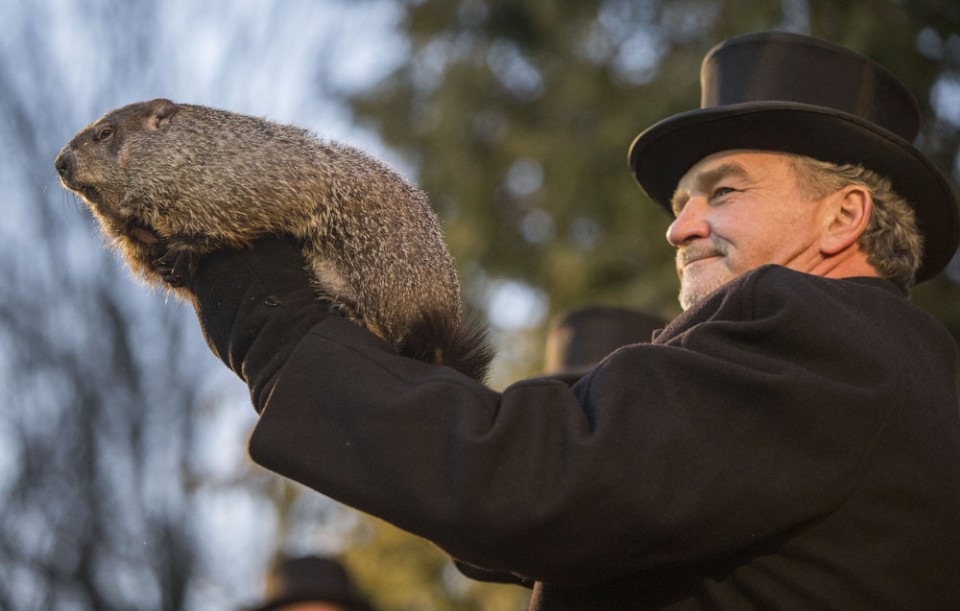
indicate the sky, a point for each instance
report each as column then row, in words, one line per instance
column 75, row 60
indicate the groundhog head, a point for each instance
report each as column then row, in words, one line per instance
column 93, row 165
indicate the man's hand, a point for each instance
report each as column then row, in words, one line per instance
column 254, row 305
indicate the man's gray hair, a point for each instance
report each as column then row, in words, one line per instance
column 892, row 242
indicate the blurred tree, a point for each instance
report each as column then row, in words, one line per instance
column 403, row 572
column 99, row 435
column 517, row 116
column 124, row 482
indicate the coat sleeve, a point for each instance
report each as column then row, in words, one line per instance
column 722, row 440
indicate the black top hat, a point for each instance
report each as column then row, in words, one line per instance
column 790, row 93
column 311, row 579
column 580, row 338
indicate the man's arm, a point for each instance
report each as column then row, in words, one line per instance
column 665, row 454
column 662, row 455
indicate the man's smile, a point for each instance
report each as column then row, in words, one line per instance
column 691, row 255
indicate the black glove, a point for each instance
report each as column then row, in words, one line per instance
column 254, row 305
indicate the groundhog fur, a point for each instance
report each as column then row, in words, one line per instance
column 163, row 178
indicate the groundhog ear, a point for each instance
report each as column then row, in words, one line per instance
column 161, row 111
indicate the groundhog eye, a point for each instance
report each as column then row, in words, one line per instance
column 103, row 134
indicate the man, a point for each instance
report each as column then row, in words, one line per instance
column 791, row 441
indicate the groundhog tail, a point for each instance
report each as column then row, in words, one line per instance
column 463, row 345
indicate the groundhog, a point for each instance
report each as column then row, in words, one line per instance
column 164, row 178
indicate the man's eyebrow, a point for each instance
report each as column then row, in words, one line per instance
column 704, row 181
column 726, row 170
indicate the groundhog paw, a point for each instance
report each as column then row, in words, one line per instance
column 175, row 268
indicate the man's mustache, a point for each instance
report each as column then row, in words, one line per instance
column 694, row 252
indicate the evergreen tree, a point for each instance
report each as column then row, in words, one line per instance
column 517, row 116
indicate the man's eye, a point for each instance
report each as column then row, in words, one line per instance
column 721, row 191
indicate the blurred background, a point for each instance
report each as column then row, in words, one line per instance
column 124, row 480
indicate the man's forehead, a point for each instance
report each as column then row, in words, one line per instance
column 745, row 158
column 708, row 175
column 748, row 165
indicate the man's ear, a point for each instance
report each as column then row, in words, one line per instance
column 848, row 211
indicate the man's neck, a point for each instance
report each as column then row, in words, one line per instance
column 847, row 264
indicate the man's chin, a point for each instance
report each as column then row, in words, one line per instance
column 696, row 288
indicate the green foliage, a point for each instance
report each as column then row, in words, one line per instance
column 401, row 572
column 517, row 115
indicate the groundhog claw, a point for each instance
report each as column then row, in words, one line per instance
column 173, row 269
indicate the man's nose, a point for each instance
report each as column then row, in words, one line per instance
column 690, row 223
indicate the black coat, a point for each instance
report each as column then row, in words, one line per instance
column 793, row 443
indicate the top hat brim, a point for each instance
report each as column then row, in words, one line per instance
column 662, row 154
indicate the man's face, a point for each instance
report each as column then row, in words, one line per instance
column 738, row 210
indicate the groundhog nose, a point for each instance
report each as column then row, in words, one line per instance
column 63, row 164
